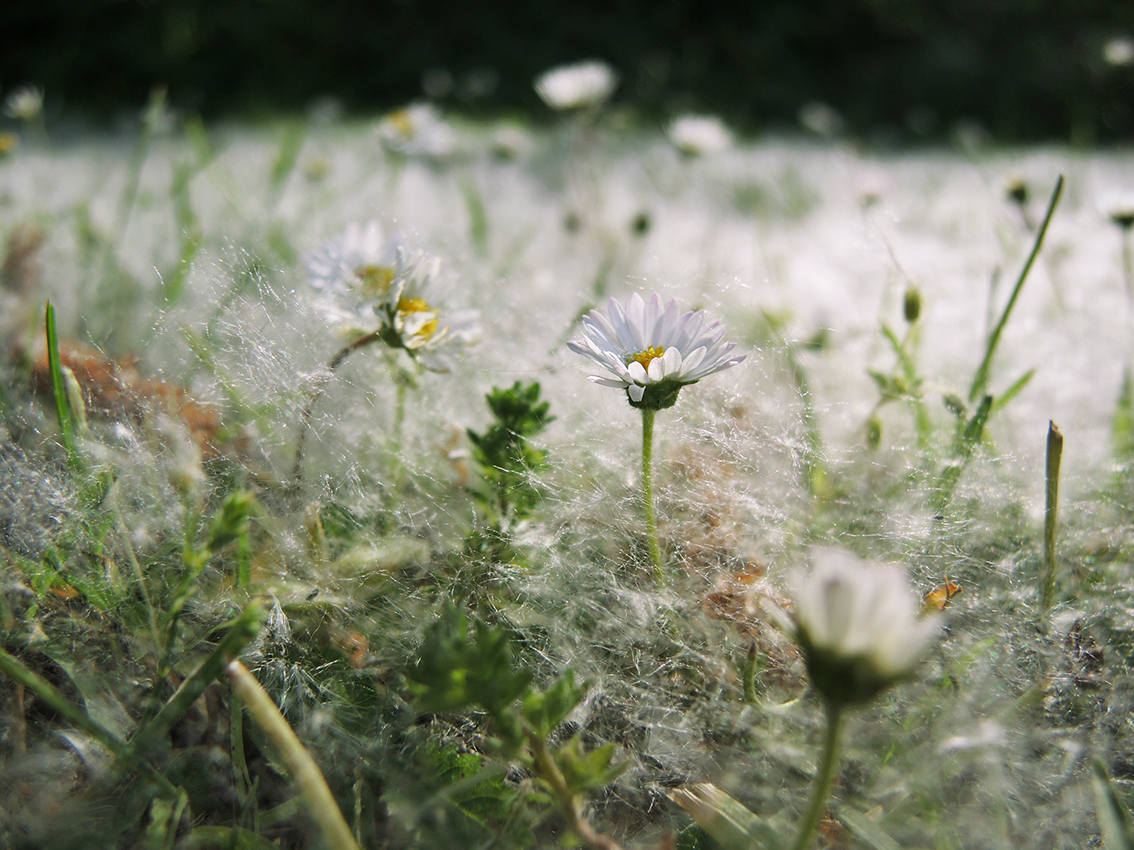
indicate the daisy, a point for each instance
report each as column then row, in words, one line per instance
column 25, row 103
column 582, row 84
column 363, row 279
column 859, row 625
column 417, row 130
column 699, row 135
column 379, row 291
column 651, row 352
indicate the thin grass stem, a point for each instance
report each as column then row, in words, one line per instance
column 980, row 379
column 1051, row 512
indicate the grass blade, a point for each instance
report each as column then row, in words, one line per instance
column 1114, row 820
column 303, row 769
column 63, row 411
column 726, row 819
column 980, row 379
column 1051, row 512
column 867, row 830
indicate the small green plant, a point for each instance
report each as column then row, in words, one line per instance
column 453, row 672
column 505, row 455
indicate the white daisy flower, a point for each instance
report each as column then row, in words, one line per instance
column 699, row 135
column 24, row 103
column 860, row 626
column 362, row 276
column 411, row 321
column 350, row 272
column 417, row 130
column 652, row 352
column 588, row 83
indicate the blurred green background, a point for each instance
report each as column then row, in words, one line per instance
column 894, row 70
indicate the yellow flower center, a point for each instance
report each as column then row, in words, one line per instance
column 418, row 305
column 375, row 280
column 646, row 357
column 403, row 122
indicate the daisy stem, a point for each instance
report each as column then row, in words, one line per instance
column 316, row 394
column 402, row 382
column 821, row 791
column 648, row 491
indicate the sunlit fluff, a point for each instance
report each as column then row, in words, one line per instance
column 360, row 275
column 650, row 351
column 589, row 83
column 699, row 135
column 859, row 624
column 417, row 130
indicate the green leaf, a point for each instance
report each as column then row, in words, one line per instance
column 585, row 771
column 726, row 819
column 867, row 830
column 451, row 671
column 1114, row 820
column 547, row 710
column 1013, row 391
column 64, row 413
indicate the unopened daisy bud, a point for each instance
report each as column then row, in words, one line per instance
column 911, row 304
column 859, row 626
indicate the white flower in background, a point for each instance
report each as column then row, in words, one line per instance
column 699, row 135
column 589, row 83
column 361, row 277
column 24, row 103
column 860, row 626
column 821, row 119
column 652, row 352
column 350, row 272
column 417, row 130
column 1119, row 52
column 411, row 320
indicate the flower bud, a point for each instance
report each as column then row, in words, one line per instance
column 859, row 627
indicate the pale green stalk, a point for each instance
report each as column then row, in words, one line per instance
column 321, row 803
column 648, row 492
column 821, row 790
column 1051, row 512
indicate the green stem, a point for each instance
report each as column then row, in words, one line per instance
column 244, row 628
column 1051, row 512
column 304, row 771
column 568, row 802
column 980, row 379
column 821, row 790
column 316, row 394
column 648, row 491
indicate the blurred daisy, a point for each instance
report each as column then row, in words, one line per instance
column 363, row 277
column 1118, row 52
column 24, row 104
column 699, row 135
column 859, row 625
column 417, row 130
column 411, row 321
column 350, row 272
column 652, row 352
column 582, row 84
